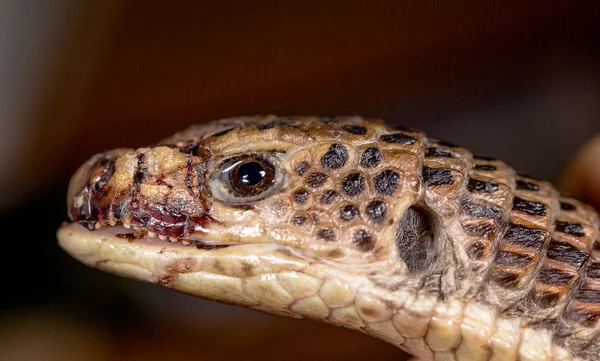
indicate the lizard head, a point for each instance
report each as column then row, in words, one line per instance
column 297, row 216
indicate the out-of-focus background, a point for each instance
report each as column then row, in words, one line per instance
column 517, row 80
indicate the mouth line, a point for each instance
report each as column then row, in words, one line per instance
column 135, row 233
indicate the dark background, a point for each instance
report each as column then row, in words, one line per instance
column 516, row 80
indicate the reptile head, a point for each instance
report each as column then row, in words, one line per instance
column 296, row 216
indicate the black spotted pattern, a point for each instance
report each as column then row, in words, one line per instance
column 481, row 211
column 527, row 186
column 316, row 180
column 376, row 210
column 348, row 212
column 556, row 277
column 371, row 158
column 299, row 220
column 437, row 176
column 301, row 196
column 326, row 234
column 529, row 207
column 301, row 168
column 353, row 184
column 363, row 240
column 355, row 129
column 328, row 197
column 566, row 253
column 335, row 157
column 574, row 229
column 386, row 182
column 398, row 138
column 532, row 238
column 512, row 259
column 438, row 152
column 476, row 185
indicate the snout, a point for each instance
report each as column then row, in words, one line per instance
column 88, row 182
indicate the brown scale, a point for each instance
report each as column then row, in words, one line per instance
column 485, row 211
column 568, row 251
column 524, row 240
column 582, row 233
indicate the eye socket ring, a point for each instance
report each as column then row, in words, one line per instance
column 247, row 178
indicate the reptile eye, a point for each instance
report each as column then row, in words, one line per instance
column 251, row 177
column 247, row 178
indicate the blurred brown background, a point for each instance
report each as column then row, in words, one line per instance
column 517, row 80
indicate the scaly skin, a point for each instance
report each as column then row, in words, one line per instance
column 379, row 229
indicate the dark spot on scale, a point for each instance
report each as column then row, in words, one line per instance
column 546, row 298
column 326, row 234
column 328, row 197
column 278, row 122
column 476, row 185
column 437, row 176
column 265, row 126
column 335, row 157
column 348, row 212
column 566, row 253
column 386, row 182
column 316, row 180
column 353, row 184
column 299, row 220
column 480, row 230
column 477, row 250
column 532, row 238
column 415, row 239
column 513, row 259
column 301, row 196
column 505, row 278
column 527, row 186
column 371, row 158
column 482, row 157
column 375, row 210
column 301, row 168
column 222, row 132
column 574, row 229
column 593, row 270
column 555, row 277
column 355, row 129
column 481, row 211
column 586, row 316
column 567, row 206
column 588, row 295
column 486, row 167
column 398, row 138
column 529, row 207
column 438, row 152
column 363, row 240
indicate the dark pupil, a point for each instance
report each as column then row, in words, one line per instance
column 251, row 173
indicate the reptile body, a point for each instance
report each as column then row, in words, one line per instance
column 377, row 228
